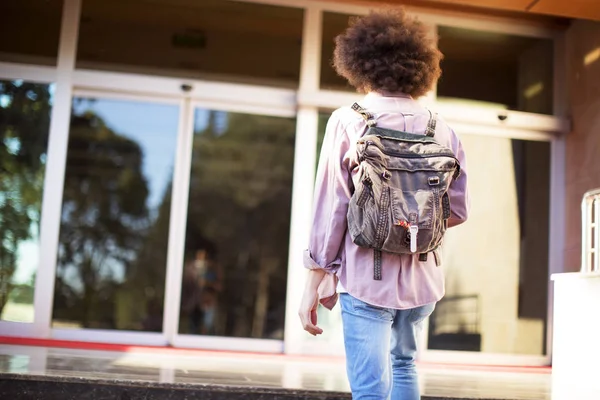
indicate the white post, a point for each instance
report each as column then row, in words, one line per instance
column 310, row 64
column 55, row 169
column 305, row 159
column 178, row 221
column 302, row 191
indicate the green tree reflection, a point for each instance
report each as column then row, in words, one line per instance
column 24, row 123
column 103, row 224
column 240, row 195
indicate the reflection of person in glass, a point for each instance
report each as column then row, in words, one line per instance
column 209, row 281
column 201, row 285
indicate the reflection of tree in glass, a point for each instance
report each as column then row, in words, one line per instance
column 103, row 224
column 141, row 297
column 240, row 196
column 24, row 123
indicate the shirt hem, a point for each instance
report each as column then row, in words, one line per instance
column 420, row 304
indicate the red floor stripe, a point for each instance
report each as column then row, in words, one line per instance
column 125, row 348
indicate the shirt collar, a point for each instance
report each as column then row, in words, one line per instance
column 379, row 101
column 383, row 94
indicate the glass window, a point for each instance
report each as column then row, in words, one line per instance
column 115, row 216
column 333, row 25
column 214, row 39
column 30, row 30
column 496, row 264
column 24, row 126
column 236, row 247
column 507, row 71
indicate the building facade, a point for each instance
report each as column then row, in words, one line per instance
column 158, row 160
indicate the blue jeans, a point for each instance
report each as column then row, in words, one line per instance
column 381, row 347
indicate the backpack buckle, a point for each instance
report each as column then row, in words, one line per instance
column 387, row 175
column 434, row 180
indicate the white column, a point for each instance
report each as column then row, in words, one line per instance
column 178, row 220
column 55, row 168
column 305, row 159
column 310, row 64
column 302, row 193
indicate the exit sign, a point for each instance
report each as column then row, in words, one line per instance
column 189, row 39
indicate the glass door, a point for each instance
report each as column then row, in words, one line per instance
column 175, row 216
column 233, row 269
column 114, row 227
column 496, row 265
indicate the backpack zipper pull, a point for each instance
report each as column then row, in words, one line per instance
column 414, row 230
column 411, row 236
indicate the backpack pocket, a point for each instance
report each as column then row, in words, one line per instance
column 413, row 207
column 413, row 216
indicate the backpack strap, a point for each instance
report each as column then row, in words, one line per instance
column 430, row 130
column 377, row 265
column 367, row 116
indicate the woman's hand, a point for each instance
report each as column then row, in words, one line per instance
column 310, row 303
column 308, row 312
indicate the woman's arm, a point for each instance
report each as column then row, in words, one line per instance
column 329, row 224
column 331, row 198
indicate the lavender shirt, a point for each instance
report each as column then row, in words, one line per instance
column 406, row 281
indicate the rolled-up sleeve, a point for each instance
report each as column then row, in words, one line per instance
column 331, row 198
column 459, row 190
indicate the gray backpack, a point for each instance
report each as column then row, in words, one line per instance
column 400, row 204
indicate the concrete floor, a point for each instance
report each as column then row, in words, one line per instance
column 268, row 371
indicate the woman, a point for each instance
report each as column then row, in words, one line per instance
column 390, row 57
